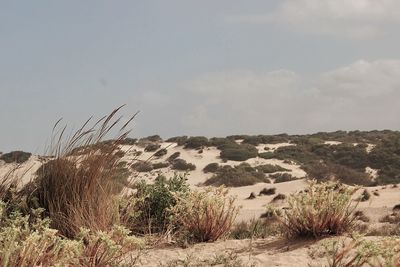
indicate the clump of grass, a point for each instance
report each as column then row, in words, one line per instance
column 325, row 209
column 267, row 155
column 360, row 252
column 79, row 191
column 142, row 166
column 182, row 165
column 393, row 218
column 206, row 215
column 255, row 228
column 15, row 156
column 268, row 191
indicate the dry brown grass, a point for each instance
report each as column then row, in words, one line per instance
column 324, row 209
column 205, row 216
column 78, row 188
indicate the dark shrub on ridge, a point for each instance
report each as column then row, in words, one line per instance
column 15, row 156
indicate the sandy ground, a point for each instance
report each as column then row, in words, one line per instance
column 261, row 252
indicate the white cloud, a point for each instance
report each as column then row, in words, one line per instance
column 352, row 18
column 363, row 79
column 362, row 95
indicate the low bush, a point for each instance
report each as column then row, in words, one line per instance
column 174, row 156
column 269, row 168
column 15, row 156
column 323, row 209
column 238, row 152
column 268, row 191
column 196, row 142
column 180, row 140
column 212, row 167
column 142, row 166
column 328, row 171
column 182, row 165
column 152, row 138
column 206, row 215
column 282, row 177
column 151, row 204
column 152, row 147
column 161, row 152
column 160, row 165
column 266, row 155
column 240, row 175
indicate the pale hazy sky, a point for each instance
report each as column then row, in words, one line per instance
column 206, row 67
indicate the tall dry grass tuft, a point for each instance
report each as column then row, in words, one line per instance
column 78, row 187
column 323, row 209
column 206, row 215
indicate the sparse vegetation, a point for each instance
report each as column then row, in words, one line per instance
column 238, row 152
column 240, row 175
column 324, row 209
column 269, row 168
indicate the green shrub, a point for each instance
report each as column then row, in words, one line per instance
column 196, row 142
column 269, row 168
column 241, row 175
column 282, row 177
column 329, row 171
column 266, row 155
column 15, row 156
column 238, row 152
column 152, row 203
column 182, row 165
column 161, row 152
column 204, row 216
column 152, row 138
column 180, row 140
column 212, row 167
column 220, row 142
column 323, row 209
column 152, row 147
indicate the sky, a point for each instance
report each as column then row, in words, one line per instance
column 210, row 67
